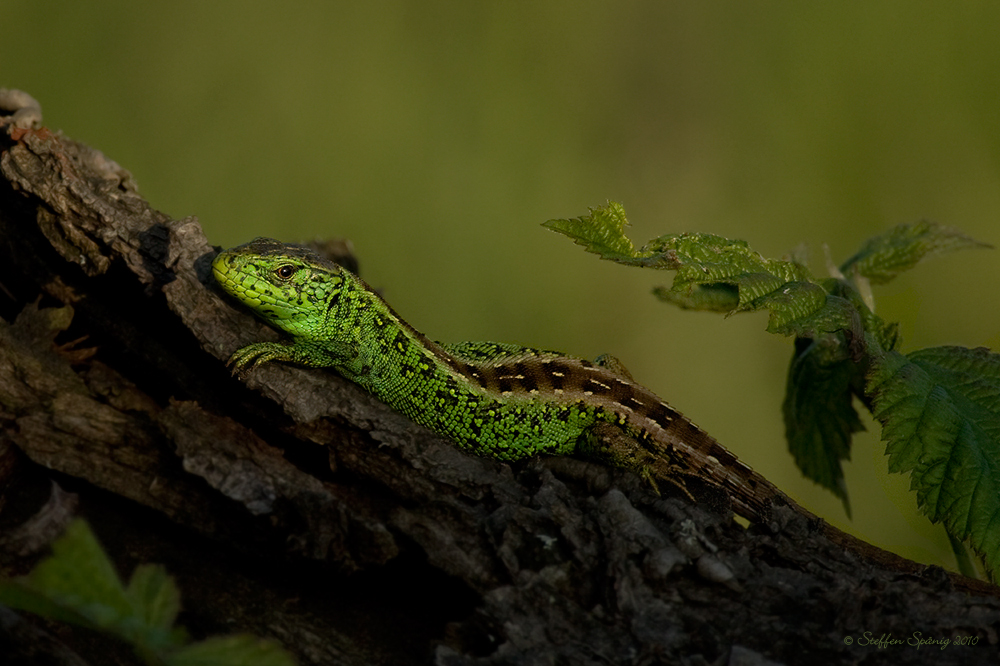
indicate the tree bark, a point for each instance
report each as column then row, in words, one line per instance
column 297, row 507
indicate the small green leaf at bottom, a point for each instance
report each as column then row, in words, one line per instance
column 78, row 584
column 78, row 578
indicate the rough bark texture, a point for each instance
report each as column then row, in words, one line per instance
column 300, row 508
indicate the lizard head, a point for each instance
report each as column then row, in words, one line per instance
column 290, row 287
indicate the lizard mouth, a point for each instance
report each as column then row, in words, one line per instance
column 221, row 271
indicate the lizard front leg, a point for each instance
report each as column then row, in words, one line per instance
column 301, row 353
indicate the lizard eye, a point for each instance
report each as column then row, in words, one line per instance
column 285, row 271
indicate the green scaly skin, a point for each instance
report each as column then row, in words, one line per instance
column 498, row 400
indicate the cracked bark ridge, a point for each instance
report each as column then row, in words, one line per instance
column 299, row 507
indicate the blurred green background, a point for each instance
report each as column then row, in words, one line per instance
column 438, row 135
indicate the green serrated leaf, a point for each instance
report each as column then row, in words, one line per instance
column 724, row 266
column 721, row 275
column 885, row 335
column 695, row 248
column 20, row 595
column 706, row 258
column 940, row 412
column 78, row 584
column 901, row 248
column 238, row 650
column 80, row 577
column 710, row 297
column 154, row 596
column 601, row 232
column 819, row 413
column 710, row 269
column 804, row 309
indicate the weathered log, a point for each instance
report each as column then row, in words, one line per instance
column 298, row 507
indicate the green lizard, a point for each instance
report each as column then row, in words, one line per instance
column 498, row 400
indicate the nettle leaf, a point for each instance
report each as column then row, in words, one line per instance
column 819, row 413
column 601, row 232
column 885, row 334
column 804, row 309
column 714, row 273
column 940, row 412
column 78, row 578
column 711, row 297
column 19, row 594
column 706, row 259
column 153, row 592
column 723, row 275
column 78, row 584
column 901, row 248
